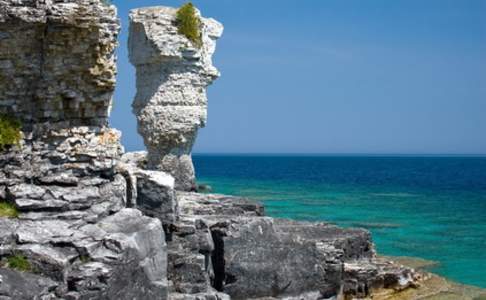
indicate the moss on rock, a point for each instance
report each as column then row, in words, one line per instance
column 19, row 262
column 8, row 210
column 188, row 24
column 9, row 131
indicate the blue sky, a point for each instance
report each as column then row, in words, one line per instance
column 334, row 76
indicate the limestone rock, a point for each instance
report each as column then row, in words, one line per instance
column 257, row 257
column 172, row 76
column 57, row 77
column 255, row 261
column 152, row 192
column 17, row 285
column 57, row 61
column 122, row 256
column 194, row 204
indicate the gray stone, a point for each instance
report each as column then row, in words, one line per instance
column 150, row 191
column 214, row 204
column 252, row 260
column 145, row 237
column 66, row 49
column 7, row 228
column 123, row 256
column 156, row 196
column 24, row 286
column 352, row 242
column 25, row 191
column 189, row 251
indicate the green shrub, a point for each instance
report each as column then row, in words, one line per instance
column 188, row 24
column 8, row 210
column 19, row 263
column 9, row 131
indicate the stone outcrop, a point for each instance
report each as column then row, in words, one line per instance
column 57, row 62
column 172, row 76
column 74, row 230
column 252, row 256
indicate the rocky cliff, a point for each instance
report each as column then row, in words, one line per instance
column 70, row 233
column 172, row 75
column 81, row 220
column 57, row 61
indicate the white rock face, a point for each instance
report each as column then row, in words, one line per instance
column 172, row 77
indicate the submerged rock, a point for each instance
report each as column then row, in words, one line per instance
column 172, row 77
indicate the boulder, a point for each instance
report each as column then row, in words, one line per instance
column 152, row 192
column 252, row 260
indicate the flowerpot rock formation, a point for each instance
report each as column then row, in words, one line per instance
column 172, row 77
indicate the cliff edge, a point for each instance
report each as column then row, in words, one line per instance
column 66, row 229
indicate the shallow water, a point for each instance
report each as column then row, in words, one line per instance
column 428, row 207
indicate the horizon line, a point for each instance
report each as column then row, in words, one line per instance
column 343, row 154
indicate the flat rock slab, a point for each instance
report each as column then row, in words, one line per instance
column 194, row 204
column 16, row 285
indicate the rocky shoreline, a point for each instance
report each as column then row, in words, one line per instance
column 432, row 287
column 88, row 221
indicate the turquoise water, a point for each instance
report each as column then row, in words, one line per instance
column 428, row 207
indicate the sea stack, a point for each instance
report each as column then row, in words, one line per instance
column 173, row 73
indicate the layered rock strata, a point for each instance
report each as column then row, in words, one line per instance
column 57, row 62
column 74, row 235
column 172, row 77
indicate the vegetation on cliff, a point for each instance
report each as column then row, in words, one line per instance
column 9, row 131
column 188, row 24
column 18, row 262
column 8, row 210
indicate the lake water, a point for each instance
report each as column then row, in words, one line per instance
column 428, row 207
